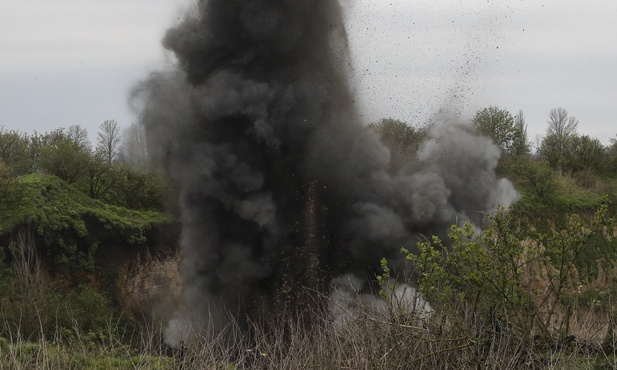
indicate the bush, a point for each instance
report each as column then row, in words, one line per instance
column 513, row 278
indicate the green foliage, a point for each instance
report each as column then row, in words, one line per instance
column 137, row 189
column 574, row 153
column 65, row 159
column 483, row 270
column 10, row 192
column 69, row 226
column 100, row 177
column 28, row 309
column 489, row 271
column 384, row 277
column 577, row 250
column 49, row 355
column 61, row 208
column 548, row 196
column 551, row 150
column 90, row 313
column 122, row 185
column 500, row 125
column 611, row 154
column 50, row 203
column 35, row 309
column 534, row 178
column 585, row 153
column 566, row 151
column 4, row 345
column 15, row 151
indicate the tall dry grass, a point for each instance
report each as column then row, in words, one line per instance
column 370, row 339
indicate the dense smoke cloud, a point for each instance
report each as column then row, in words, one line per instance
column 280, row 184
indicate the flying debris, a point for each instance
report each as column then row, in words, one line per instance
column 280, row 184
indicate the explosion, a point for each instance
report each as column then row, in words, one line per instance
column 280, row 184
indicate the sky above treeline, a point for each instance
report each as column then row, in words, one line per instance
column 68, row 62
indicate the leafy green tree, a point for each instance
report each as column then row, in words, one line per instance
column 584, row 153
column 40, row 141
column 65, row 159
column 574, row 153
column 136, row 189
column 101, row 176
column 15, row 151
column 552, row 151
column 561, row 129
column 501, row 126
column 534, row 176
column 611, row 153
column 10, row 192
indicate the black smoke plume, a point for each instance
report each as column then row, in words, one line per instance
column 280, row 184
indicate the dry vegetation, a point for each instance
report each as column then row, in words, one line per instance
column 391, row 340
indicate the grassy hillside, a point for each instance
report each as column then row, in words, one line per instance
column 60, row 258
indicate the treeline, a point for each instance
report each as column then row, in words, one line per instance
column 567, row 171
column 115, row 170
column 563, row 148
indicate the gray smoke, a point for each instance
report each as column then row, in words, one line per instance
column 279, row 183
column 349, row 304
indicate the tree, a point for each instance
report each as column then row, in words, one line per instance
column 501, row 127
column 520, row 145
column 40, row 141
column 574, row 153
column 109, row 140
column 560, row 124
column 10, row 192
column 534, row 175
column 100, row 176
column 15, row 151
column 134, row 149
column 561, row 129
column 584, row 153
column 65, row 159
column 611, row 152
column 551, row 150
column 79, row 136
column 134, row 188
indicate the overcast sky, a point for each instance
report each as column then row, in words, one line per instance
column 68, row 62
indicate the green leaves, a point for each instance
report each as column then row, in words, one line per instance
column 509, row 272
column 499, row 124
column 69, row 225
